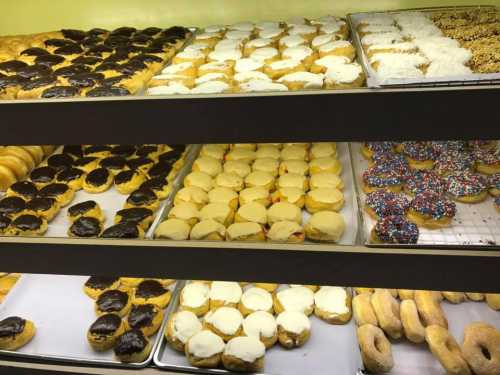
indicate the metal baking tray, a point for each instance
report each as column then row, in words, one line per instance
column 412, row 358
column 329, row 345
column 62, row 313
column 349, row 211
column 372, row 79
column 475, row 225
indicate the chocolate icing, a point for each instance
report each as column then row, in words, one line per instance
column 58, row 42
column 34, row 71
column 71, row 70
column 98, row 50
column 124, row 30
column 114, row 80
column 108, row 91
column 12, row 66
column 86, row 79
column 40, row 82
column 25, row 188
column 4, row 222
column 142, row 316
column 178, row 31
column 85, row 227
column 60, row 161
column 27, row 222
column 134, row 215
column 82, row 162
column 160, row 169
column 150, row 289
column 91, row 41
column 87, row 60
column 123, row 150
column 145, row 58
column 155, row 184
column 107, row 66
column 131, row 342
column 35, row 51
column 106, row 325
column 122, row 230
column 97, row 31
column 72, row 49
column 68, row 175
column 131, row 67
column 81, row 208
column 113, row 162
column 76, row 35
column 146, row 151
column 40, row 204
column 12, row 205
column 135, row 163
column 116, row 58
column 129, row 49
column 125, row 176
column 43, row 174
column 96, row 148
column 141, row 39
column 112, row 301
column 60, row 92
column 116, row 41
column 54, row 190
column 11, row 81
column 12, row 326
column 97, row 177
column 153, row 49
column 141, row 197
column 100, row 282
column 49, row 60
column 74, row 150
column 151, row 30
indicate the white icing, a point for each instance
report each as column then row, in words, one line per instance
column 331, row 61
column 211, row 77
column 446, row 68
column 325, row 180
column 207, row 35
column 205, row 344
column 214, row 28
column 322, row 39
column 173, row 229
column 261, row 54
column 345, row 73
column 402, row 47
column 222, row 195
column 292, row 41
column 383, row 38
column 195, row 294
column 216, row 211
column 293, row 321
column 401, row 59
column 257, row 299
column 331, row 28
column 294, row 21
column 268, row 25
column 225, row 55
column 376, row 19
column 246, row 65
column 227, row 320
column 282, row 230
column 447, row 54
column 196, row 47
column 266, row 152
column 176, row 68
column 242, row 26
column 297, row 53
column 237, row 167
column 248, row 349
column 270, row 33
column 184, row 211
column 331, row 46
column 185, row 325
column 302, row 30
column 325, row 20
column 311, row 80
column 284, row 64
column 191, row 55
column 227, row 291
column 251, row 75
column 260, row 323
column 259, row 85
column 228, row 44
column 298, row 299
column 215, row 65
column 292, row 180
column 238, row 231
column 211, row 87
column 259, row 43
column 238, row 34
column 170, row 89
column 332, row 299
column 380, row 29
column 421, row 31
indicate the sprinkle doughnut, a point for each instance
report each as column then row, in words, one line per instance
column 412, row 326
column 481, row 348
column 487, row 161
column 430, row 210
column 397, row 162
column 420, row 155
column 453, row 161
column 446, row 350
column 363, row 310
column 429, row 308
column 381, row 203
column 421, row 181
column 371, row 148
column 386, row 309
column 394, row 229
column 444, row 146
column 375, row 349
column 382, row 176
column 494, row 185
column 466, row 187
column 482, row 145
column 497, row 203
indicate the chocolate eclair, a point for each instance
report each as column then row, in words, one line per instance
column 114, row 164
column 87, row 60
column 85, row 227
column 12, row 206
column 138, row 216
column 147, row 59
column 100, row 50
column 15, row 332
column 97, row 181
column 42, row 176
column 73, row 34
column 152, row 292
column 73, row 177
column 24, row 189
column 128, row 181
column 104, row 332
column 143, row 198
column 27, row 225
column 72, row 70
column 34, row 71
column 60, row 92
column 87, row 208
column 43, row 206
column 160, row 169
column 91, row 41
column 99, row 151
column 53, row 61
column 86, row 164
column 147, row 318
column 132, row 346
column 148, row 151
column 107, row 91
column 124, row 31
column 96, row 285
column 97, row 31
column 159, row 185
column 118, row 58
column 59, row 191
column 113, row 301
column 141, row 164
column 35, row 87
column 151, row 31
column 123, row 150
column 58, row 42
column 4, row 223
column 60, row 161
column 34, row 51
column 75, row 151
column 170, row 157
column 71, row 49
column 123, row 230
column 12, row 66
column 85, row 80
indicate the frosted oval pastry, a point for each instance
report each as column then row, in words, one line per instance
column 294, row 152
column 213, row 151
column 251, row 76
column 261, row 325
column 266, row 55
column 248, row 231
column 242, row 35
column 323, row 64
column 292, row 41
column 237, row 167
column 259, row 43
column 204, row 349
column 322, row 39
column 327, row 164
column 195, row 298
column 302, row 80
column 229, row 44
column 219, row 212
column 344, row 76
column 224, row 195
column 293, row 195
column 324, row 199
column 241, row 154
column 199, row 179
column 196, row 57
column 255, row 194
column 267, row 152
column 323, row 150
column 325, row 180
column 186, row 211
column 294, row 166
column 248, row 146
column 325, row 226
column 274, row 33
column 185, row 69
column 222, row 55
column 267, row 25
column 173, row 229
column 242, row 26
column 244, row 354
column 303, row 54
column 259, row 85
column 300, row 299
column 260, row 179
column 338, row 48
column 278, row 69
column 224, row 293
column 251, row 212
column 293, row 180
column 286, row 231
column 226, row 322
column 192, row 194
column 283, row 211
column 255, row 299
column 333, row 304
column 180, row 328
column 248, row 65
column 211, row 87
column 306, row 31
column 170, row 89
column 208, row 230
column 267, row 165
column 212, row 77
column 224, row 67
column 294, row 329
column 229, row 180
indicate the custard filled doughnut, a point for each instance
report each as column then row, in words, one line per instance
column 104, row 332
column 173, row 229
column 248, row 231
column 481, row 348
column 381, row 203
column 261, row 325
column 413, row 328
column 224, row 293
column 299, row 167
column 420, row 155
column 394, row 229
column 467, row 187
column 44, row 207
column 204, row 349
column 241, row 154
column 454, row 297
column 446, row 350
column 284, row 211
column 277, row 69
column 432, row 211
column 27, row 225
column 406, row 294
column 225, row 196
column 299, row 299
column 286, row 231
column 218, row 212
column 96, row 285
column 493, row 300
column 266, row 165
column 143, row 197
column 333, row 305
column 382, row 177
column 487, row 161
column 128, row 181
column 226, row 322
column 15, row 332
column 429, row 309
column 195, row 298
column 208, row 230
column 192, row 194
column 363, row 310
column 180, row 328
column 292, row 180
column 237, row 167
column 152, row 292
column 325, row 226
column 229, row 180
column 132, row 347
column 113, row 301
column 87, row 209
column 199, row 179
column 185, row 211
column 251, row 212
column 208, row 165
column 326, row 180
column 97, row 181
column 291, row 195
column 259, row 179
column 291, row 41
column 324, row 199
column 424, row 181
column 386, row 309
column 255, row 299
column 23, row 189
column 375, row 349
column 73, row 177
column 147, row 318
column 255, row 194
column 62, row 193
column 244, row 354
column 294, row 329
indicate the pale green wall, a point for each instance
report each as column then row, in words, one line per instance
column 26, row 16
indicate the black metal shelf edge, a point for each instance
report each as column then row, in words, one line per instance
column 350, row 115
column 354, row 266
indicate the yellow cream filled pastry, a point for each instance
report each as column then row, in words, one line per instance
column 257, row 194
column 251, row 212
column 284, row 211
column 224, row 195
column 286, row 231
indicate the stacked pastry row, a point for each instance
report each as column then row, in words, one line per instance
column 222, row 323
column 98, row 62
column 416, row 184
column 266, row 56
column 408, row 45
column 249, row 192
column 477, row 30
column 419, row 317
column 7, row 282
column 130, row 311
column 143, row 172
column 16, row 162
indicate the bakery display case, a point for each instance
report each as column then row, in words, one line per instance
column 286, row 187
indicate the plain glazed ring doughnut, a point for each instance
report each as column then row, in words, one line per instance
column 481, row 348
column 375, row 349
column 363, row 310
column 413, row 328
column 387, row 311
column 429, row 308
column 405, row 294
column 446, row 350
column 475, row 296
column 454, row 297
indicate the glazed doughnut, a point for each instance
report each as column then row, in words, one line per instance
column 406, row 294
column 381, row 203
column 422, row 181
column 481, row 348
column 363, row 310
column 419, row 154
column 467, row 187
column 375, row 349
column 432, row 211
column 446, row 350
column 412, row 326
column 387, row 311
column 429, row 308
column 493, row 300
column 454, row 297
column 382, row 176
column 394, row 229
column 474, row 296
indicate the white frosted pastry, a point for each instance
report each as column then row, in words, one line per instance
column 208, row 229
column 205, row 344
column 293, row 195
column 238, row 35
column 293, row 321
column 247, row 231
column 194, row 296
column 446, row 68
column 322, row 39
column 211, row 87
column 294, row 166
column 173, row 229
column 265, row 25
column 186, row 211
column 219, row 212
column 247, row 349
column 224, row 67
column 284, row 211
column 247, row 65
column 324, row 199
column 229, row 44
column 292, row 41
column 225, row 55
column 368, row 29
column 172, row 88
column 252, row 212
column 185, row 325
column 241, row 154
column 239, row 168
column 322, row 150
column 332, row 299
column 268, row 165
column 302, row 30
column 325, row 20
column 326, row 226
column 395, row 47
column 208, row 165
column 334, row 28
column 259, row 43
column 293, row 152
column 228, row 292
column 207, row 35
column 214, row 28
column 226, row 320
column 181, row 68
column 257, row 299
column 376, row 19
column 260, row 324
column 198, row 47
column 412, row 59
column 299, row 53
column 271, row 33
column 197, row 57
column 258, row 85
column 325, row 164
column 341, row 75
column 265, row 54
column 299, row 299
column 242, row 26
column 258, row 178
column 212, row 77
column 383, row 38
column 229, row 180
column 251, row 76
column 199, row 179
column 305, row 80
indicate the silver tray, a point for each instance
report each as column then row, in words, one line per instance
column 331, row 349
column 371, row 75
column 62, row 313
